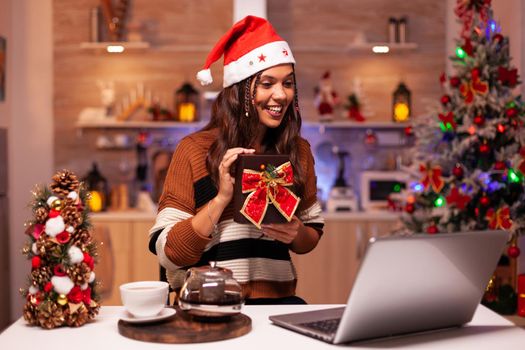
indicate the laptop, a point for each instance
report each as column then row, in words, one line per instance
column 408, row 284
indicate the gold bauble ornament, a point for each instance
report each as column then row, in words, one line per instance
column 57, row 204
column 62, row 299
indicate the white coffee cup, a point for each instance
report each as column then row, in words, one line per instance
column 144, row 298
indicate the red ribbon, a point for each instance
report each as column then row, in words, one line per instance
column 475, row 86
column 448, row 119
column 466, row 9
column 432, row 177
column 265, row 187
column 499, row 219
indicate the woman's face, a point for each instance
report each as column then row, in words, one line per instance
column 274, row 94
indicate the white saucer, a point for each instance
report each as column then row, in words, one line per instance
column 165, row 313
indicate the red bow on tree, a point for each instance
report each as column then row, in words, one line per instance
column 508, row 77
column 448, row 119
column 475, row 86
column 432, row 177
column 457, row 198
column 268, row 186
column 466, row 9
column 499, row 219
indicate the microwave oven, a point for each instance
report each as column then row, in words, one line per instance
column 378, row 186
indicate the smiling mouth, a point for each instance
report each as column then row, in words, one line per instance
column 275, row 111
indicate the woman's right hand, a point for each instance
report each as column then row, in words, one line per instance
column 226, row 181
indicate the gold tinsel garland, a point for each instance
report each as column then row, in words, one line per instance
column 62, row 285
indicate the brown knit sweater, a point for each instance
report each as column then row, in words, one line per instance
column 262, row 265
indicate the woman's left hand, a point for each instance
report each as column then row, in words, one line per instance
column 286, row 232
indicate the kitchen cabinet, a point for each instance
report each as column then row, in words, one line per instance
column 123, row 252
column 325, row 275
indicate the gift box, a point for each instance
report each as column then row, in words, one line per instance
column 263, row 189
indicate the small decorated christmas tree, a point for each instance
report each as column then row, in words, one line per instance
column 469, row 158
column 62, row 282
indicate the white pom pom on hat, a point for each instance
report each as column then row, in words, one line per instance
column 250, row 46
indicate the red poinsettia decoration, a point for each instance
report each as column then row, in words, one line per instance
column 508, row 77
column 448, row 119
column 457, row 198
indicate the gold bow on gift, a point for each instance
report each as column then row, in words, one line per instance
column 268, row 185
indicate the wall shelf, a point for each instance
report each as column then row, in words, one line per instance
column 365, row 47
column 342, row 124
column 126, row 45
column 112, row 124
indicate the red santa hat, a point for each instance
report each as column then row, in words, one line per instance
column 250, row 46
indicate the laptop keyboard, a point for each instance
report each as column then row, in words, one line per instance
column 324, row 326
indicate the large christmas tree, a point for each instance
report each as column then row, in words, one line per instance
column 61, row 249
column 469, row 157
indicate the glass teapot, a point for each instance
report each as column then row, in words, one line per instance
column 210, row 291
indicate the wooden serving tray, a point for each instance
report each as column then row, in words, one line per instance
column 182, row 328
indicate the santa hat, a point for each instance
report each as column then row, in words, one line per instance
column 250, row 46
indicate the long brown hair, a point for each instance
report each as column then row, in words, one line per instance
column 236, row 129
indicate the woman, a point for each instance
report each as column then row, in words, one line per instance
column 256, row 112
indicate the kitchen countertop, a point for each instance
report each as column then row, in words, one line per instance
column 135, row 215
column 487, row 330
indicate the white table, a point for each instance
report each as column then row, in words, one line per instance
column 488, row 330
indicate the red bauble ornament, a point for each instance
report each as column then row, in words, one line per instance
column 455, row 81
column 458, row 171
column 484, row 200
column 479, row 120
column 48, row 287
column 445, row 99
column 36, row 262
column 410, row 208
column 511, row 112
column 432, row 229
column 484, row 149
column 513, row 251
column 370, row 138
column 499, row 165
column 59, row 270
column 409, row 131
column 501, row 128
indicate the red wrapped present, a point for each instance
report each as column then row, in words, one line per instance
column 263, row 190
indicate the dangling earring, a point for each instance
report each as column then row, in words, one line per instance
column 247, row 98
column 296, row 97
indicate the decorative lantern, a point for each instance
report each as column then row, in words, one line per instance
column 401, row 104
column 98, row 189
column 186, row 103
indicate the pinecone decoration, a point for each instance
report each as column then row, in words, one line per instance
column 42, row 275
column 71, row 216
column 77, row 318
column 41, row 214
column 81, row 238
column 50, row 315
column 64, row 182
column 79, row 273
column 30, row 313
column 46, row 246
